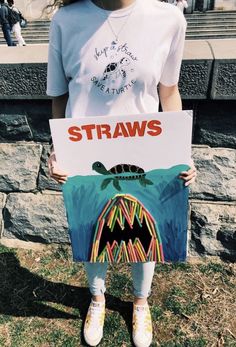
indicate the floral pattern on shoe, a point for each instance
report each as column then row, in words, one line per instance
column 142, row 326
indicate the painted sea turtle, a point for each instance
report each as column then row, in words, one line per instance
column 138, row 174
column 116, row 69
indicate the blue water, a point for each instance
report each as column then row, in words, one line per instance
column 166, row 200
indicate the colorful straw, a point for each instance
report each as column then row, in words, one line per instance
column 122, row 211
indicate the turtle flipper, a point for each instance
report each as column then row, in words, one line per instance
column 116, row 184
column 144, row 181
column 105, row 183
column 148, row 182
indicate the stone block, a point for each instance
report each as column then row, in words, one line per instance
column 37, row 113
column 223, row 49
column 224, row 71
column 32, row 54
column 44, row 181
column 23, row 81
column 198, row 50
column 14, row 127
column 23, row 73
column 2, row 205
column 196, row 70
column 215, row 123
column 194, row 79
column 216, row 178
column 19, row 166
column 224, row 80
column 35, row 217
column 39, row 124
column 214, row 138
column 213, row 229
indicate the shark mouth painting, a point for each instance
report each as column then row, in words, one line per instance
column 126, row 232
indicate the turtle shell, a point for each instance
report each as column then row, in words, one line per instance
column 126, row 168
column 111, row 67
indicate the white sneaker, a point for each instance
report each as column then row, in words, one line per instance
column 93, row 327
column 142, row 325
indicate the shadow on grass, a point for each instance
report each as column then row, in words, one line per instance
column 25, row 294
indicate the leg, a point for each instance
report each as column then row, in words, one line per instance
column 93, row 327
column 142, row 274
column 96, row 273
column 105, row 183
column 116, row 184
column 17, row 31
column 7, row 34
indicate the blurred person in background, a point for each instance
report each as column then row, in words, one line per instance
column 181, row 4
column 16, row 28
column 5, row 24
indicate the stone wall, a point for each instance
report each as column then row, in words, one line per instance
column 31, row 202
column 33, row 208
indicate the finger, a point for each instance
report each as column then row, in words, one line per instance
column 183, row 174
column 190, row 171
column 189, row 177
column 56, row 171
column 189, row 182
column 59, row 175
column 60, row 180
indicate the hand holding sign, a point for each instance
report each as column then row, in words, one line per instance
column 190, row 175
column 54, row 170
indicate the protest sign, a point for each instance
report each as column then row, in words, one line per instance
column 124, row 198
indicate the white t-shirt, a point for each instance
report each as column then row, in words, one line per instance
column 108, row 78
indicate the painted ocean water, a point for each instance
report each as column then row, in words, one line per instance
column 166, row 200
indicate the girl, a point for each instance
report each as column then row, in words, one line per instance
column 16, row 28
column 129, row 47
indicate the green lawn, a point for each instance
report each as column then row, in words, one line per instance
column 44, row 298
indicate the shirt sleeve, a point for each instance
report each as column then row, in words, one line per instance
column 172, row 65
column 57, row 83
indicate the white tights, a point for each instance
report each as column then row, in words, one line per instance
column 16, row 29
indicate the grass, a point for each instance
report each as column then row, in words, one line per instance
column 179, row 302
column 44, row 299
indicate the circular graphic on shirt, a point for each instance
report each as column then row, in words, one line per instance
column 117, row 68
column 114, row 70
